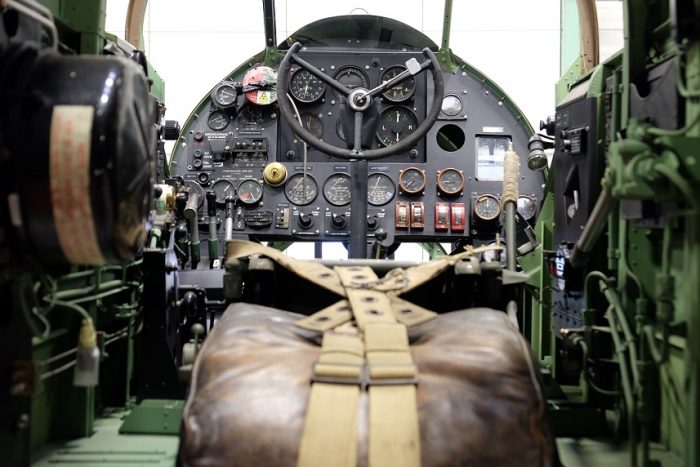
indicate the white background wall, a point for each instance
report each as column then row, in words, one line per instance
column 193, row 44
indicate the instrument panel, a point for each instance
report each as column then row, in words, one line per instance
column 445, row 188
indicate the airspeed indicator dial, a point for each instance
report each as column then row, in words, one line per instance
column 305, row 87
column 395, row 124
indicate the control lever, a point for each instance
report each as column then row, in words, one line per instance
column 230, row 203
column 182, row 250
column 191, row 216
column 213, row 241
column 532, row 241
column 509, row 199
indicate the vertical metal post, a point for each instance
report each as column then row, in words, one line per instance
column 358, row 210
column 270, row 23
column 358, row 202
column 510, row 235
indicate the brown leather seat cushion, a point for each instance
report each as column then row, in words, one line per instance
column 478, row 397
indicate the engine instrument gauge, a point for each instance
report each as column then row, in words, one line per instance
column 301, row 190
column 450, row 181
column 249, row 192
column 194, row 187
column 451, row 105
column 224, row 95
column 487, row 207
column 412, row 180
column 338, row 189
column 380, row 189
column 305, row 87
column 339, row 129
column 401, row 91
column 395, row 124
column 217, row 120
column 527, row 207
column 313, row 124
column 223, row 189
column 351, row 77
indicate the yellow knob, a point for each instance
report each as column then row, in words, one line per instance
column 275, row 174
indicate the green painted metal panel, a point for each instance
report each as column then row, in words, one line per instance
column 154, row 416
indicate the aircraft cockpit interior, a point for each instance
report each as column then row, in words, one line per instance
column 498, row 294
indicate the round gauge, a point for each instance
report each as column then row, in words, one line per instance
column 451, row 105
column 487, row 207
column 249, row 192
column 313, row 124
column 337, row 189
column 450, row 181
column 217, row 120
column 401, row 91
column 339, row 129
column 412, row 180
column 494, row 255
column 224, row 95
column 527, row 207
column 194, row 187
column 395, row 124
column 223, row 189
column 305, row 87
column 351, row 77
column 380, row 189
column 301, row 190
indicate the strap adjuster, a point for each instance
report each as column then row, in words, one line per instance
column 390, row 375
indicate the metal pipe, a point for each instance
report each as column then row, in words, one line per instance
column 592, row 229
column 358, row 210
column 447, row 21
column 626, row 384
column 510, row 235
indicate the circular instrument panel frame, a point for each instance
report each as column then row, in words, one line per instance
column 384, row 195
column 318, row 89
column 301, row 199
column 404, row 183
column 442, row 181
column 485, row 199
column 407, row 86
column 338, row 196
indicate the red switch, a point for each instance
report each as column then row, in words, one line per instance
column 458, row 217
column 442, row 216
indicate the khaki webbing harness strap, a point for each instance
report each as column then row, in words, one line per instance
column 376, row 356
column 330, row 427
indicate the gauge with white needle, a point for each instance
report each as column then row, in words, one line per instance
column 305, row 87
column 395, row 124
column 380, row 189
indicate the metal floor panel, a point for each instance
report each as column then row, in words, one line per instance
column 107, row 447
column 587, row 452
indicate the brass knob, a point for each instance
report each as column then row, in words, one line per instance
column 275, row 174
